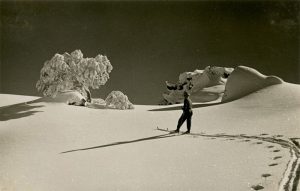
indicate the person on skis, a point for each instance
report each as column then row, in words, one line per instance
column 187, row 113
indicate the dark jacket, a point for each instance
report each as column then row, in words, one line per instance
column 187, row 105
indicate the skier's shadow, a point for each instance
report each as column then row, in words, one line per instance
column 125, row 142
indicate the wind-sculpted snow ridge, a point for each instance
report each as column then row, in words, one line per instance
column 244, row 80
column 203, row 85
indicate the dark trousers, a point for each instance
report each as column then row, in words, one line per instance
column 185, row 116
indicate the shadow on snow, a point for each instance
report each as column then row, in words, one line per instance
column 125, row 142
column 17, row 111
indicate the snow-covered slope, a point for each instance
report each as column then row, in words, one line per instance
column 240, row 145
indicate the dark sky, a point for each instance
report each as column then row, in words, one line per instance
column 148, row 42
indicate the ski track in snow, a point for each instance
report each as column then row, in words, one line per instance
column 290, row 180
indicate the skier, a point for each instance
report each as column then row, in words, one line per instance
column 187, row 113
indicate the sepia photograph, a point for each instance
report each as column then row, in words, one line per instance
column 149, row 95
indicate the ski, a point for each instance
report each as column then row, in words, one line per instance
column 180, row 132
column 170, row 131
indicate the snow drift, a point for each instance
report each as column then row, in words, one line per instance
column 244, row 80
column 63, row 97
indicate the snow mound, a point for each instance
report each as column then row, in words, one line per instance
column 204, row 85
column 64, row 97
column 244, row 80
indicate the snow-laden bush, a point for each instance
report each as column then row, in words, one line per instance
column 73, row 72
column 118, row 100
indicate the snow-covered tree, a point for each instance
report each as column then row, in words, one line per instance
column 196, row 83
column 118, row 100
column 73, row 72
